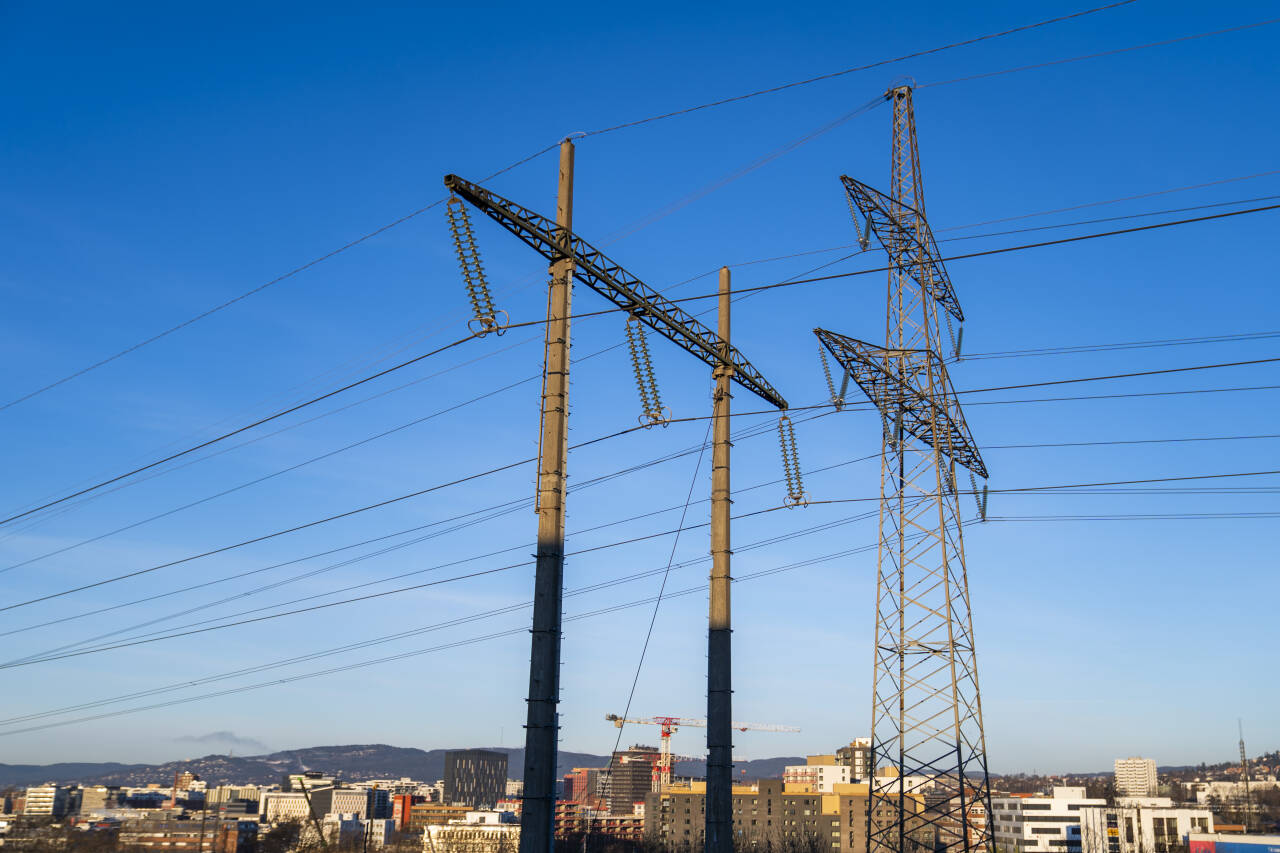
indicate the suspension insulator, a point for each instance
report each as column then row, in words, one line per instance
column 791, row 463
column 837, row 399
column 651, row 409
column 485, row 319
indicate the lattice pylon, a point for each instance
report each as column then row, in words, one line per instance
column 926, row 706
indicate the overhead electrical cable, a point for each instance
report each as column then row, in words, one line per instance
column 246, row 294
column 1099, row 55
column 515, row 631
column 833, row 74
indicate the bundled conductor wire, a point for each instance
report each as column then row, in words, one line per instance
column 464, row 241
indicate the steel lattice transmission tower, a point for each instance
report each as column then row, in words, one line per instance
column 926, row 711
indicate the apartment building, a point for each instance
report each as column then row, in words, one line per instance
column 769, row 812
column 1136, row 777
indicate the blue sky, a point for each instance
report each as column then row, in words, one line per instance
column 160, row 160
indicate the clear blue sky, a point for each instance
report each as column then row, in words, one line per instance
column 159, row 159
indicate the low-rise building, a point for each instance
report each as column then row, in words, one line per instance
column 196, row 836
column 477, row 832
column 1213, row 842
column 1026, row 823
column 1159, row 828
column 422, row 815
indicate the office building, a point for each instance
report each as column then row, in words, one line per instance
column 1040, row 824
column 1150, row 828
column 47, row 801
column 1136, row 777
column 96, row 798
column 475, row 777
column 276, row 806
column 629, row 778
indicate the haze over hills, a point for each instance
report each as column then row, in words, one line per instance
column 352, row 762
column 356, row 762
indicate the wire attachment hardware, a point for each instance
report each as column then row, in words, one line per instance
column 651, row 408
column 791, row 464
column 464, row 241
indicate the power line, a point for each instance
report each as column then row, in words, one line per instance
column 603, row 312
column 197, row 630
column 403, row 655
column 1099, row 54
column 1046, row 383
column 424, row 585
column 317, row 522
column 290, row 274
column 842, row 72
column 239, row 430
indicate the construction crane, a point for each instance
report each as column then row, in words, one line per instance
column 669, row 726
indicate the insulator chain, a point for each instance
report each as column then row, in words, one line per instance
column 791, row 463
column 651, row 410
column 464, row 240
column 837, row 399
column 979, row 499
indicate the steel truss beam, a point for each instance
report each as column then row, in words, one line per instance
column 905, row 234
column 610, row 280
column 915, row 382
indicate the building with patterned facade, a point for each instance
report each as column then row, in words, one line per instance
column 475, row 777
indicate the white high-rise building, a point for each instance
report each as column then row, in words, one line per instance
column 1039, row 823
column 1135, row 777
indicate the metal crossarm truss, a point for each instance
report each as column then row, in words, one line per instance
column 915, row 382
column 906, row 236
column 620, row 287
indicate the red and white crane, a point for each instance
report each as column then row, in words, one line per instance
column 670, row 725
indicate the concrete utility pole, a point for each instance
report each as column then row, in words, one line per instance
column 537, row 817
column 719, row 827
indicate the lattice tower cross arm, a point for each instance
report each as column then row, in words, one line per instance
column 610, row 280
column 901, row 378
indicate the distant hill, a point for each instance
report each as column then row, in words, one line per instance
column 352, row 762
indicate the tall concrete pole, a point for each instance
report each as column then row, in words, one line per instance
column 719, row 826
column 537, row 817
